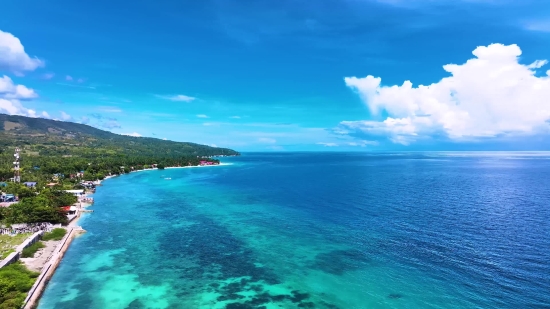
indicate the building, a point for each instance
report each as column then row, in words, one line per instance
column 30, row 184
column 8, row 198
column 77, row 193
column 71, row 210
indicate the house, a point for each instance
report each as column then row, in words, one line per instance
column 30, row 184
column 51, row 184
column 71, row 210
column 8, row 198
column 76, row 193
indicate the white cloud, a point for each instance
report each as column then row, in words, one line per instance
column 235, row 117
column 13, row 56
column 177, row 98
column 65, row 116
column 328, row 144
column 363, row 143
column 202, row 116
column 68, row 78
column 8, row 90
column 489, row 95
column 134, row 134
column 11, row 96
column 213, row 145
column 267, row 140
column 165, row 139
column 46, row 115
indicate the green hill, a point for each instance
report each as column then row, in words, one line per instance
column 50, row 146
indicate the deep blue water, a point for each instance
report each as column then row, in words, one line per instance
column 318, row 230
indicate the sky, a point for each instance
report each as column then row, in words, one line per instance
column 287, row 75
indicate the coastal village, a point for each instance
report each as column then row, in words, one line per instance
column 35, row 248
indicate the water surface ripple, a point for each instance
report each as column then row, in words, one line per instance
column 318, row 230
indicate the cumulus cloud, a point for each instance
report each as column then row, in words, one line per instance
column 487, row 96
column 11, row 96
column 65, row 116
column 328, row 144
column 9, row 90
column 68, row 78
column 202, row 116
column 134, row 134
column 13, row 56
column 177, row 98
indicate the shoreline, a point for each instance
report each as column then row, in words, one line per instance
column 73, row 230
column 48, row 270
column 168, row 167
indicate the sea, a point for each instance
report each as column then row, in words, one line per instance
column 317, row 230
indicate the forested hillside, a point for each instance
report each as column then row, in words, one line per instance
column 50, row 147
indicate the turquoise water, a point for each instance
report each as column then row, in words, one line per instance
column 317, row 230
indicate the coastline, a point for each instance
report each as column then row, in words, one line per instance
column 73, row 230
column 166, row 168
column 48, row 270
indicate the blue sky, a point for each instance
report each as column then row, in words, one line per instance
column 279, row 75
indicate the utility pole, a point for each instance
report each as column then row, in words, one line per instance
column 16, row 166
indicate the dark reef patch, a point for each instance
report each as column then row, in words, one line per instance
column 395, row 296
column 135, row 304
column 212, row 246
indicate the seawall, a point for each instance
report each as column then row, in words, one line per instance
column 14, row 256
column 49, row 268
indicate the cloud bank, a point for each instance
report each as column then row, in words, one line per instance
column 488, row 96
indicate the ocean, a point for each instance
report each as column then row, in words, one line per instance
column 317, row 230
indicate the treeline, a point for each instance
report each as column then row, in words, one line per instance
column 36, row 205
column 43, row 168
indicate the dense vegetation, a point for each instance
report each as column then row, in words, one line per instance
column 63, row 154
column 55, row 234
column 15, row 282
column 33, row 208
column 55, row 147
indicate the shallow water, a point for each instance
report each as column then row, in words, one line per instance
column 318, row 230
